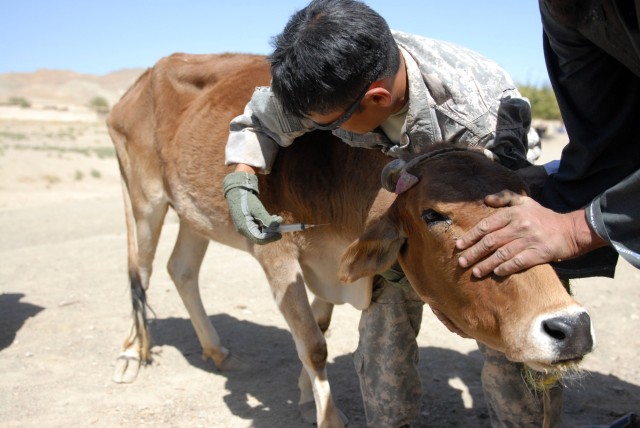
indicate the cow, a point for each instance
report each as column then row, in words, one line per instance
column 169, row 131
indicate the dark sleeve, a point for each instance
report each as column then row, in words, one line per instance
column 511, row 140
column 596, row 85
column 615, row 216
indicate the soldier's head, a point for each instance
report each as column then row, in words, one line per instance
column 330, row 59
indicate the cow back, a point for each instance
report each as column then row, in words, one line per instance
column 317, row 180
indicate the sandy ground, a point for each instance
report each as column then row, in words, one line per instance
column 64, row 311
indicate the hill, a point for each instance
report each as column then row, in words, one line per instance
column 65, row 89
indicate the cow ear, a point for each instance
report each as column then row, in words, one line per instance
column 374, row 252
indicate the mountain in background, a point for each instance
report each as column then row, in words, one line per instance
column 64, row 88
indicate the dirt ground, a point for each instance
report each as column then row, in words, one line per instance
column 64, row 311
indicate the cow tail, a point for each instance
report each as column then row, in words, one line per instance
column 139, row 332
column 140, row 326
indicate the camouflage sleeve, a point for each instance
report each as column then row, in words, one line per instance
column 256, row 135
column 475, row 101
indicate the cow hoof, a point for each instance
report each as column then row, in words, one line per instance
column 127, row 368
column 308, row 413
column 231, row 363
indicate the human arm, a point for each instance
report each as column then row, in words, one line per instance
column 615, row 216
column 256, row 135
column 595, row 75
column 523, row 234
column 510, row 145
column 253, row 143
column 249, row 216
column 596, row 83
column 526, row 234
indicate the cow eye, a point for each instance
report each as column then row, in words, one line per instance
column 432, row 217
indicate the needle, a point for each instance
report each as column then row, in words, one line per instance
column 295, row 227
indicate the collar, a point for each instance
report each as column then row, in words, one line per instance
column 420, row 116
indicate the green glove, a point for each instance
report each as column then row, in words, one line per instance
column 249, row 215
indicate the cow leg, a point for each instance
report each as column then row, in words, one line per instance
column 144, row 222
column 184, row 269
column 322, row 311
column 288, row 288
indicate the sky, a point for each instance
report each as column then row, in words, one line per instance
column 99, row 37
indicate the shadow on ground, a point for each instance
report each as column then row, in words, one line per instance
column 13, row 314
column 451, row 380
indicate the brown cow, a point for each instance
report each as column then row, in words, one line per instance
column 496, row 310
column 170, row 130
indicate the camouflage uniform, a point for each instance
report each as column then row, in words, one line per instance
column 511, row 401
column 454, row 94
column 387, row 355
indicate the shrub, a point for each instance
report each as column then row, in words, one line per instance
column 19, row 101
column 543, row 102
column 99, row 104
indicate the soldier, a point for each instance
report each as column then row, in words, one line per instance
column 337, row 66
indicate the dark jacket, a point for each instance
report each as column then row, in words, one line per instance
column 593, row 60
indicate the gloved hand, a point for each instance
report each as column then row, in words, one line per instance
column 248, row 214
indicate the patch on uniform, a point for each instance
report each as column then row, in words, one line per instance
column 287, row 123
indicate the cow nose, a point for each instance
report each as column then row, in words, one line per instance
column 571, row 334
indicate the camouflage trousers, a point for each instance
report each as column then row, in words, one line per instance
column 386, row 362
column 511, row 402
column 387, row 356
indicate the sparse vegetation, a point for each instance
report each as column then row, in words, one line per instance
column 543, row 102
column 51, row 179
column 94, row 173
column 16, row 136
column 99, row 105
column 19, row 101
column 100, row 152
column 104, row 152
column 69, row 133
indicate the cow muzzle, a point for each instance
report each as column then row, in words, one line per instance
column 561, row 339
column 572, row 335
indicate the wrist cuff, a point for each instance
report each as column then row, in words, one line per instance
column 241, row 179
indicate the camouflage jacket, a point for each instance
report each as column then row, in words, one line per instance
column 455, row 94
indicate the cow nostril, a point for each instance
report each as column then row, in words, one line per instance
column 557, row 328
column 571, row 334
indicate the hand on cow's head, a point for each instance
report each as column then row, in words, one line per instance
column 373, row 252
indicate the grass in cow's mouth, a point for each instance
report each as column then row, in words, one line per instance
column 553, row 376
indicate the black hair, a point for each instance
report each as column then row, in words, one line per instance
column 328, row 53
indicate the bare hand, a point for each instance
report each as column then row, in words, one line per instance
column 522, row 235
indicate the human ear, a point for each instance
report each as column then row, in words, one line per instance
column 379, row 96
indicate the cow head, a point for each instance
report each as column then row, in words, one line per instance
column 529, row 315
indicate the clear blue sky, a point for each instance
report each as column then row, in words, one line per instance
column 100, row 37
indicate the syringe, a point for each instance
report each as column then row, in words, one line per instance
column 294, row 227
